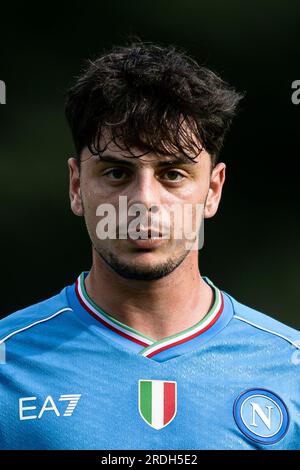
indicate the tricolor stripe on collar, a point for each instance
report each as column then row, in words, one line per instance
column 106, row 319
column 150, row 346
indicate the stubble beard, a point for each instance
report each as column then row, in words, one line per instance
column 140, row 273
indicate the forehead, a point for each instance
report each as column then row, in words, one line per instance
column 116, row 150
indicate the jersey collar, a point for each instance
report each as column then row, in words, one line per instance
column 216, row 319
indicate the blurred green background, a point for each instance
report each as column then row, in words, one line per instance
column 251, row 247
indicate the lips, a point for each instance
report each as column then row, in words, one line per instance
column 145, row 234
column 148, row 243
column 146, row 239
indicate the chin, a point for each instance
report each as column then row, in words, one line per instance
column 143, row 259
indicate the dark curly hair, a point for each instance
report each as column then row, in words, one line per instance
column 143, row 94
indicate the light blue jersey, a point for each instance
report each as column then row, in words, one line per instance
column 72, row 377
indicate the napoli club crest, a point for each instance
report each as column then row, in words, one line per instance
column 157, row 402
column 261, row 415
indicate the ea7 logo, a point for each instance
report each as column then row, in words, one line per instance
column 28, row 404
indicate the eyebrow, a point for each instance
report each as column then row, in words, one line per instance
column 158, row 163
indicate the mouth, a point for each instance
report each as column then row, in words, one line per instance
column 147, row 234
column 146, row 239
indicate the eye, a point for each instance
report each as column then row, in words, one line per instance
column 173, row 175
column 116, row 174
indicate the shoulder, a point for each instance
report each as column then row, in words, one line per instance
column 33, row 315
column 256, row 321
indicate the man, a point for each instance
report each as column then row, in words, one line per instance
column 142, row 352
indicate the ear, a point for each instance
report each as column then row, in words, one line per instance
column 215, row 190
column 74, row 187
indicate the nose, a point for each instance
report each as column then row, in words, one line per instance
column 145, row 190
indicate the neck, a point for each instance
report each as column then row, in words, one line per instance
column 159, row 308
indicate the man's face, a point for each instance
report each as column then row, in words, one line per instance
column 161, row 185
